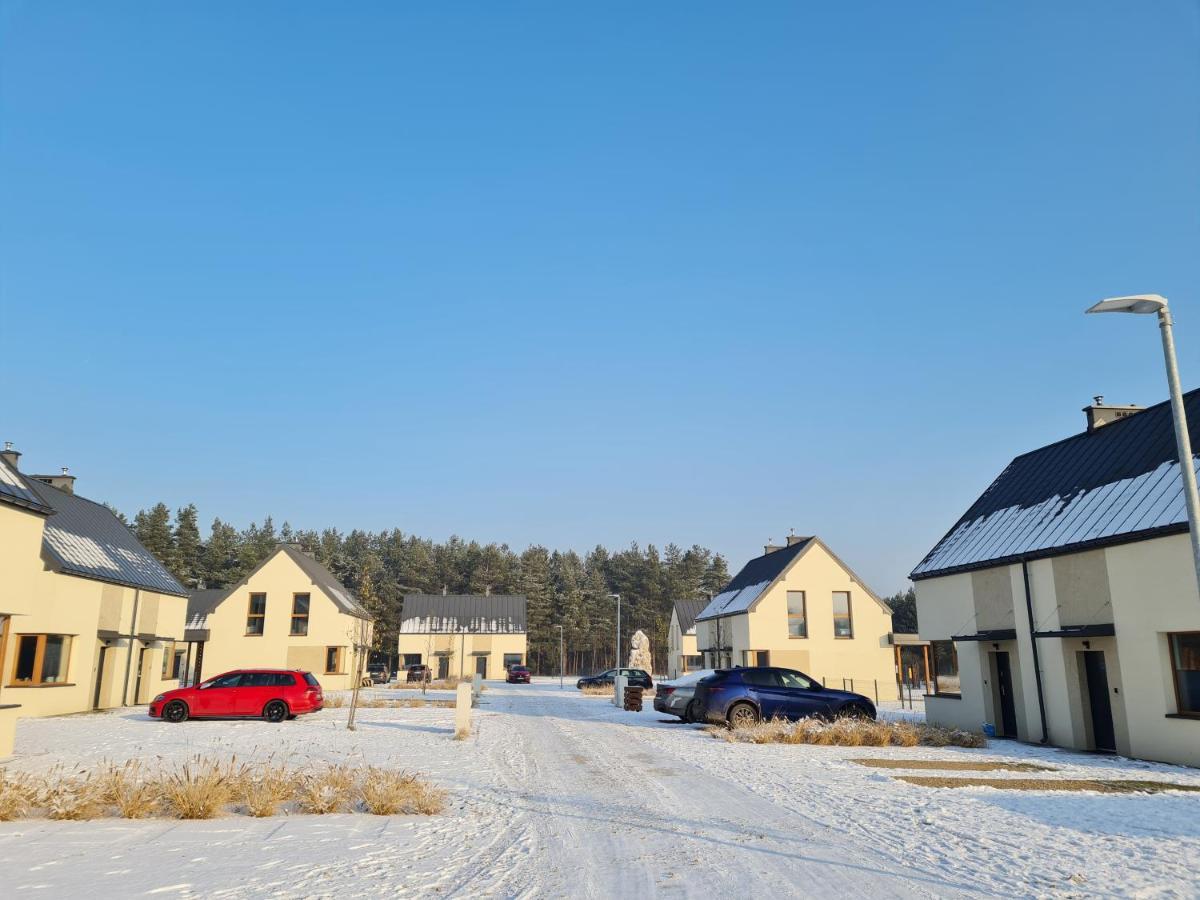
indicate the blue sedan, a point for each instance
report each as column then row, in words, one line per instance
column 746, row 696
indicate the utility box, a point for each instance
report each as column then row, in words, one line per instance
column 619, row 685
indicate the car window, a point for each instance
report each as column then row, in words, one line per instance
column 257, row 679
column 760, row 678
column 311, row 679
column 226, row 681
column 283, row 679
column 794, row 680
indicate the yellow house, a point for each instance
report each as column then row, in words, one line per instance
column 89, row 619
column 460, row 635
column 1063, row 605
column 682, row 655
column 289, row 613
column 800, row 607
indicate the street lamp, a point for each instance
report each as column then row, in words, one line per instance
column 617, row 597
column 560, row 656
column 1146, row 304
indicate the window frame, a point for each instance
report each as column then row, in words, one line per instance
column 168, row 654
column 252, row 616
column 1180, row 712
column 338, row 658
column 303, row 617
column 849, row 616
column 933, row 666
column 39, row 660
column 803, row 617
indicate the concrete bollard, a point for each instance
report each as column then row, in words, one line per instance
column 462, row 712
column 619, row 690
column 477, row 685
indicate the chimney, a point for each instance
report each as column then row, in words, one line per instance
column 771, row 548
column 796, row 539
column 1100, row 413
column 9, row 455
column 65, row 481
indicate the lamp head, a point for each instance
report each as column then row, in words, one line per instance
column 1136, row 303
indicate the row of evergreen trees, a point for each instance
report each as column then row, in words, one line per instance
column 561, row 587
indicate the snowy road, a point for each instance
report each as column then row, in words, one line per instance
column 559, row 795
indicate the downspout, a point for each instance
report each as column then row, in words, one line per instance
column 1037, row 666
column 137, row 596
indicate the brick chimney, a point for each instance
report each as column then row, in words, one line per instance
column 64, row 481
column 10, row 455
column 1100, row 413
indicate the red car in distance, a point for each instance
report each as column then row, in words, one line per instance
column 518, row 675
column 271, row 694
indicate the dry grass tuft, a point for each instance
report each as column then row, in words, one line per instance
column 1102, row 786
column 265, row 788
column 134, row 795
column 954, row 765
column 18, row 793
column 337, row 701
column 73, row 798
column 597, row 690
column 905, row 735
column 327, row 790
column 846, row 733
column 385, row 792
column 201, row 788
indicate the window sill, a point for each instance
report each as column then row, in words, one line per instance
column 942, row 696
column 255, row 634
column 53, row 684
column 798, row 637
column 843, row 637
column 1195, row 717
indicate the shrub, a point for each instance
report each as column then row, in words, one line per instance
column 17, row 794
column 385, row 792
column 133, row 794
column 327, row 790
column 200, row 788
column 847, row 733
column 73, row 798
column 265, row 788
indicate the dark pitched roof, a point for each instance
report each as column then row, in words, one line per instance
column 317, row 573
column 1117, row 484
column 17, row 490
column 86, row 538
column 754, row 578
column 438, row 613
column 200, row 604
column 686, row 612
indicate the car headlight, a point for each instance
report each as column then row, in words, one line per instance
column 160, row 698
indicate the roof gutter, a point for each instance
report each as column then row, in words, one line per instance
column 1037, row 666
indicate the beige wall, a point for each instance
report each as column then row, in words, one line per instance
column 463, row 651
column 1146, row 590
column 229, row 647
column 864, row 663
column 679, row 646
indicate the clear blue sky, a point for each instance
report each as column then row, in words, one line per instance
column 576, row 273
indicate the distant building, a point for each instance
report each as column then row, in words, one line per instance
column 463, row 634
column 800, row 607
column 1066, row 595
column 289, row 613
column 89, row 619
column 682, row 655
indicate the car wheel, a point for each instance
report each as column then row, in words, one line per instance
column 853, row 711
column 275, row 711
column 689, row 712
column 176, row 711
column 742, row 714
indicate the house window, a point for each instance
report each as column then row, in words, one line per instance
column 333, row 660
column 41, row 659
column 691, row 663
column 797, row 614
column 256, row 614
column 169, row 661
column 843, row 623
column 945, row 668
column 299, row 614
column 1185, row 661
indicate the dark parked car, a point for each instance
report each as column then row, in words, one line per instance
column 744, row 696
column 518, row 675
column 378, row 673
column 637, row 678
column 418, row 672
column 271, row 694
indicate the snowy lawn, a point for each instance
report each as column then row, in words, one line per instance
column 560, row 795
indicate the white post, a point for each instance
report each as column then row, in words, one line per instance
column 619, row 683
column 477, row 685
column 1183, row 442
column 462, row 711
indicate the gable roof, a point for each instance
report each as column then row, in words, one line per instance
column 87, row 539
column 1116, row 484
column 17, row 490
column 686, row 612
column 200, row 604
column 451, row 613
column 752, row 581
column 319, row 575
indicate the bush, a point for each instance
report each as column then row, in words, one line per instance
column 847, row 733
column 327, row 790
column 385, row 792
column 200, row 788
column 133, row 794
column 265, row 788
column 17, row 794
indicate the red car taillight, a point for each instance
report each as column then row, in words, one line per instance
column 665, row 690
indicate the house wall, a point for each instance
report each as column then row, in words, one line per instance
column 1146, row 590
column 229, row 647
column 463, row 650
column 679, row 646
column 864, row 663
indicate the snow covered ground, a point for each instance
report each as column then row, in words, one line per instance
column 557, row 794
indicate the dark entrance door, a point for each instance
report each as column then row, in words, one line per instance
column 99, row 676
column 443, row 667
column 141, row 665
column 481, row 666
column 1097, row 690
column 1008, row 707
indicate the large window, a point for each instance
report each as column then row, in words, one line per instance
column 843, row 622
column 797, row 614
column 1185, row 660
column 300, row 614
column 172, row 661
column 333, row 660
column 945, row 668
column 256, row 614
column 41, row 659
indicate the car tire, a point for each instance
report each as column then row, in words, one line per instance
column 689, row 712
column 275, row 711
column 175, row 712
column 854, row 711
column 742, row 714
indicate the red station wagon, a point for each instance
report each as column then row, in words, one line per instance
column 271, row 694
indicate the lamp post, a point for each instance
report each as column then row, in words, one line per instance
column 1145, row 304
column 617, row 661
column 560, row 656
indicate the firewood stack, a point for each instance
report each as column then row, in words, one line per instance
column 633, row 699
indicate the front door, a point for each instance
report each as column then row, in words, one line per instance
column 99, row 676
column 1008, row 707
column 141, row 666
column 481, row 666
column 443, row 667
column 1097, row 690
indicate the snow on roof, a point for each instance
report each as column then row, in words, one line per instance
column 754, row 578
